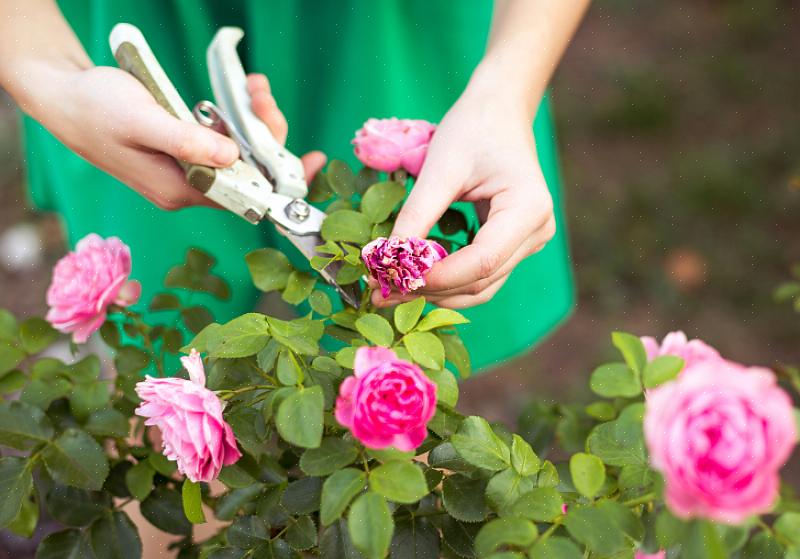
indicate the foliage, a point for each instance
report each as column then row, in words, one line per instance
column 305, row 487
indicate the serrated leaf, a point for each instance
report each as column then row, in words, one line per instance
column 504, row 531
column 425, row 348
column 298, row 287
column 439, row 318
column 269, row 268
column 115, row 536
column 36, row 334
column 347, row 225
column 139, row 480
column 163, row 508
column 381, row 199
column 23, row 426
column 399, row 481
column 299, row 417
column 337, row 492
column 241, row 337
column 465, row 498
column 16, row 484
column 376, row 329
column 370, row 525
column 332, row 455
column 540, row 504
column 523, row 458
column 478, row 444
column 75, row 458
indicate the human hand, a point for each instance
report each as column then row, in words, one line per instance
column 109, row 118
column 483, row 152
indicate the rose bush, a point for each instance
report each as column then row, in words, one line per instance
column 347, row 442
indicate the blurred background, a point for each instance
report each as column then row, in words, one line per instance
column 679, row 128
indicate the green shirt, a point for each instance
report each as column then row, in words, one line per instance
column 331, row 66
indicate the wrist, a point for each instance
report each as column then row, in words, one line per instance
column 497, row 81
column 31, row 82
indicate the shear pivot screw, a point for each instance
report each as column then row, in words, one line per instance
column 298, row 210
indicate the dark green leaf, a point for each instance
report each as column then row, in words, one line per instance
column 28, row 518
column 406, row 315
column 702, row 541
column 23, row 426
column 76, row 507
column 10, row 357
column 381, row 199
column 620, row 442
column 478, row 444
column 299, row 417
column 139, row 480
column 505, row 488
column 335, row 543
column 504, row 531
column 9, row 330
column 347, row 225
column 163, row 508
column 107, row 423
column 425, row 348
column 333, row 454
column 376, row 329
column 302, row 534
column 230, row 504
column 247, row 532
column 269, row 268
column 452, row 222
column 337, row 492
column 88, row 397
column 75, row 458
column 165, row 301
column 555, row 548
column 401, row 482
column 465, row 498
column 415, row 538
column 162, row 464
column 36, row 334
column 523, row 458
column 446, row 386
column 541, row 504
column 115, row 537
column 370, row 525
column 67, row 544
column 196, row 318
column 303, row 495
column 15, row 486
column 596, row 530
column 12, row 381
column 760, row 546
column 341, row 178
column 615, row 380
column 129, row 360
column 460, row 536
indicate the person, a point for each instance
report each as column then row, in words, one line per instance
column 90, row 126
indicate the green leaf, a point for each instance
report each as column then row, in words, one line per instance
column 163, row 508
column 75, row 458
column 76, row 507
column 302, row 534
column 504, row 531
column 478, row 444
column 615, row 380
column 36, row 334
column 9, row 330
column 341, row 178
column 326, row 365
column 139, row 480
column 88, row 397
column 269, row 268
column 623, row 518
column 381, row 199
column 376, row 329
column 661, row 369
column 247, row 532
column 401, row 482
column 446, row 386
column 12, row 381
column 346, row 357
column 67, row 544
column 129, row 360
column 788, row 527
column 196, row 318
column 335, row 543
column 165, row 301
column 620, row 442
column 333, row 454
column 370, row 525
column 595, row 529
column 555, row 548
column 415, row 538
column 602, row 410
column 588, row 473
column 28, row 518
column 303, row 496
column 425, row 348
column 16, row 484
column 298, row 287
column 115, row 537
column 465, row 498
column 84, row 371
column 337, row 492
column 10, row 357
column 760, row 546
column 438, row 318
column 107, row 423
column 407, row 314
column 452, row 222
column 320, row 189
column 23, row 426
column 459, row 537
column 540, row 504
column 669, row 530
column 632, row 350
column 162, row 464
column 320, row 303
column 288, row 370
column 347, row 225
column 702, row 541
column 505, row 488
column 42, row 393
column 523, row 458
column 241, row 337
column 299, row 417
column 192, row 502
column 456, row 352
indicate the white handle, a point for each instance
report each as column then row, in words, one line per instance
column 229, row 83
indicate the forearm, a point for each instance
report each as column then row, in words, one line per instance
column 527, row 40
column 38, row 49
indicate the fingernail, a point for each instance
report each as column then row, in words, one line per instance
column 225, row 151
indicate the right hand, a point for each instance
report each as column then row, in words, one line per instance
column 107, row 117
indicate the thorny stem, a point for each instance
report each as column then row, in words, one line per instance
column 228, row 394
column 644, row 499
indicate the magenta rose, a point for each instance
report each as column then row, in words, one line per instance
column 85, row 282
column 719, row 434
column 388, row 402
column 390, row 144
column 676, row 343
column 189, row 416
column 401, row 263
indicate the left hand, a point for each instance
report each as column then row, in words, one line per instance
column 483, row 152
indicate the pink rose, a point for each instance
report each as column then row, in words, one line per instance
column 86, row 282
column 388, row 402
column 189, row 416
column 719, row 434
column 390, row 144
column 401, row 262
column 676, row 343
column 658, row 555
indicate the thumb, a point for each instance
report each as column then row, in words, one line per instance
column 185, row 141
column 437, row 187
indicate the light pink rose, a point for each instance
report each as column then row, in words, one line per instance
column 189, row 416
column 86, row 282
column 401, row 263
column 390, row 144
column 388, row 402
column 719, row 434
column 676, row 343
column 658, row 555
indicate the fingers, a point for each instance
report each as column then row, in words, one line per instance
column 313, row 162
column 265, row 107
column 452, row 301
column 160, row 131
column 438, row 186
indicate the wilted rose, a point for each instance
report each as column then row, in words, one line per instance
column 401, row 263
column 189, row 416
column 390, row 144
column 388, row 402
column 719, row 434
column 86, row 282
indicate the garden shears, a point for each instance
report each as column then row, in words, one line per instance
column 268, row 181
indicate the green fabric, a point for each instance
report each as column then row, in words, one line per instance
column 332, row 65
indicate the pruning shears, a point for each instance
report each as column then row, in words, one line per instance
column 268, row 181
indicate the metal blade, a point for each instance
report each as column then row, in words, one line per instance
column 307, row 244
